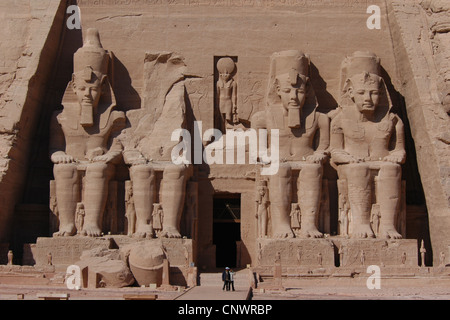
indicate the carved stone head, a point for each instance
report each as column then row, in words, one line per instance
column 262, row 187
column 292, row 92
column 226, row 67
column 289, row 83
column 365, row 89
column 363, row 86
column 90, row 76
column 80, row 207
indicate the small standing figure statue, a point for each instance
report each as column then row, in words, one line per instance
column 442, row 259
column 341, row 255
column 10, row 258
column 79, row 220
column 49, row 259
column 423, row 251
column 54, row 217
column 226, row 92
column 259, row 252
column 344, row 217
column 363, row 257
column 375, row 218
column 295, row 217
column 299, row 255
column 158, row 216
column 319, row 259
column 404, row 258
column 262, row 201
column 130, row 211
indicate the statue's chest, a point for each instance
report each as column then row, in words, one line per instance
column 73, row 129
column 367, row 131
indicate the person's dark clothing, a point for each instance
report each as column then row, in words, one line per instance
column 226, row 280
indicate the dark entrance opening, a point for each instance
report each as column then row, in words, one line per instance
column 226, row 228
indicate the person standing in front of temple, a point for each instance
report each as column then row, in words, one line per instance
column 226, row 279
column 231, row 283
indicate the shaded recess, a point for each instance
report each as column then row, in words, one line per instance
column 226, row 228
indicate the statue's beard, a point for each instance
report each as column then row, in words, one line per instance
column 87, row 114
column 294, row 112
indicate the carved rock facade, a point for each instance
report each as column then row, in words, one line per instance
column 359, row 132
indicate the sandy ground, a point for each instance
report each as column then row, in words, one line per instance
column 354, row 289
column 406, row 287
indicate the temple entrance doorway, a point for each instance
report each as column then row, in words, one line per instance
column 226, row 228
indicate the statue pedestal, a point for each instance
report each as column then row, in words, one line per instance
column 380, row 252
column 324, row 253
column 296, row 252
column 180, row 252
column 66, row 251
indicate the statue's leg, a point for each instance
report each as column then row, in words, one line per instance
column 388, row 197
column 173, row 194
column 143, row 180
column 309, row 195
column 264, row 223
column 67, row 196
column 95, row 196
column 280, row 194
column 360, row 198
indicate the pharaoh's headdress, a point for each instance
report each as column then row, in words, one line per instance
column 296, row 66
column 91, row 57
column 91, row 63
column 292, row 63
column 365, row 67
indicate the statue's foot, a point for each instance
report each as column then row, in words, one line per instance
column 388, row 233
column 170, row 232
column 65, row 231
column 310, row 232
column 363, row 231
column 91, row 231
column 283, row 233
column 143, row 231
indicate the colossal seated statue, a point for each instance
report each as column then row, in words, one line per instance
column 367, row 148
column 84, row 140
column 303, row 142
column 148, row 147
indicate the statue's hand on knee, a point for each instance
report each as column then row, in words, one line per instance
column 134, row 157
column 317, row 157
column 345, row 158
column 396, row 157
column 61, row 158
column 106, row 158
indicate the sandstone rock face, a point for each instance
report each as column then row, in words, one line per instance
column 421, row 47
column 30, row 41
column 294, row 66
